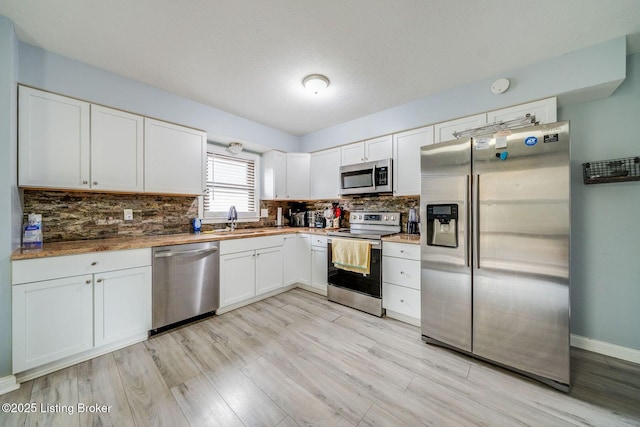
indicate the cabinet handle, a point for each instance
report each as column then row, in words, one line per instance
column 85, row 182
column 401, row 300
column 88, row 282
column 95, row 182
column 94, row 263
column 401, row 251
column 99, row 280
column 402, row 272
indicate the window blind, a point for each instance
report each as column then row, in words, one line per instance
column 230, row 181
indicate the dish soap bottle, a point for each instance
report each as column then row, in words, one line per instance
column 32, row 234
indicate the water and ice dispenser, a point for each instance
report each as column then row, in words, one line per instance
column 442, row 225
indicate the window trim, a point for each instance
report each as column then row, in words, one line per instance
column 221, row 217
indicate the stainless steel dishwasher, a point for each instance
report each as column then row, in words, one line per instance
column 186, row 282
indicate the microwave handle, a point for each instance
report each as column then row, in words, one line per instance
column 373, row 177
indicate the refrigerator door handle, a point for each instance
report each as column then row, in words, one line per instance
column 476, row 222
column 467, row 230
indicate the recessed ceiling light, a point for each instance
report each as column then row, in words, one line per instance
column 315, row 83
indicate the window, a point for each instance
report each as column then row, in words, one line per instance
column 231, row 180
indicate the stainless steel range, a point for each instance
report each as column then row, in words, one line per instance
column 355, row 260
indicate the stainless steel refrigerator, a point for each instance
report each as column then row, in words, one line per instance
column 495, row 221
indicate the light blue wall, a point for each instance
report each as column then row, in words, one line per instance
column 8, row 148
column 56, row 73
column 605, row 264
column 584, row 74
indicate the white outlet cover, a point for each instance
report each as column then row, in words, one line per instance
column 264, row 213
column 128, row 214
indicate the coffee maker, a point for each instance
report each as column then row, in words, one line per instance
column 412, row 222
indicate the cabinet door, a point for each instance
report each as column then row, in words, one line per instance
column 237, row 277
column 298, row 175
column 174, row 159
column 290, row 261
column 545, row 110
column 274, row 175
column 406, row 157
column 116, row 150
column 269, row 270
column 378, row 148
column 325, row 174
column 51, row 320
column 53, row 147
column 444, row 131
column 352, row 153
column 304, row 259
column 122, row 304
column 401, row 300
column 319, row 268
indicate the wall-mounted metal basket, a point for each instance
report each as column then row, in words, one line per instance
column 616, row 170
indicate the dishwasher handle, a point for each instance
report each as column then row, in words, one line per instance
column 182, row 253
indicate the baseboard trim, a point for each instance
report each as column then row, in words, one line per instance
column 257, row 298
column 608, row 349
column 313, row 289
column 403, row 318
column 8, row 384
column 56, row 365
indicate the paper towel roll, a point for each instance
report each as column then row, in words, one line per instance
column 279, row 218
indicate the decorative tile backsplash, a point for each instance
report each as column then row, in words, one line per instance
column 69, row 215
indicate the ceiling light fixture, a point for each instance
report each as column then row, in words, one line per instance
column 234, row 147
column 315, row 83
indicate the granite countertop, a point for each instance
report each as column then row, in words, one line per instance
column 116, row 244
column 100, row 245
column 403, row 238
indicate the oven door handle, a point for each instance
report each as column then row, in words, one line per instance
column 375, row 243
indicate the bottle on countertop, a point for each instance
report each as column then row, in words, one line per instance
column 32, row 232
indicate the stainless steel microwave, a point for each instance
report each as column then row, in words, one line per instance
column 367, row 178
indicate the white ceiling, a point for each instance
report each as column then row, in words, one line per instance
column 248, row 57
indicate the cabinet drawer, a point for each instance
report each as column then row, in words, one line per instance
column 400, row 271
column 33, row 270
column 401, row 250
column 250, row 244
column 318, row 240
column 401, row 300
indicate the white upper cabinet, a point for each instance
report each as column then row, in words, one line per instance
column 66, row 143
column 54, row 147
column 406, row 157
column 545, row 110
column 298, row 175
column 274, row 174
column 285, row 175
column 325, row 174
column 174, row 158
column 367, row 151
column 117, row 149
column 444, row 131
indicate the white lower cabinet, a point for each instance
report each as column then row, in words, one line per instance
column 304, row 259
column 269, row 270
column 319, row 263
column 250, row 267
column 401, row 281
column 122, row 303
column 55, row 316
column 290, row 255
column 237, row 277
column 51, row 320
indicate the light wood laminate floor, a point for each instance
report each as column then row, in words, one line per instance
column 296, row 360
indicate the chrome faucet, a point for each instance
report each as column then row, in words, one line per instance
column 232, row 216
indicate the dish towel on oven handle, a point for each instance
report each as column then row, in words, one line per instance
column 351, row 255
